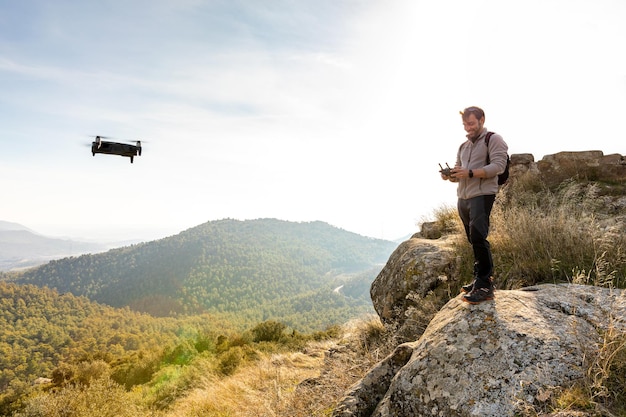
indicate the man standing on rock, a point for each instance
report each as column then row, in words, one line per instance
column 479, row 161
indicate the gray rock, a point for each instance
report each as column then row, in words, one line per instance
column 417, row 267
column 585, row 165
column 491, row 359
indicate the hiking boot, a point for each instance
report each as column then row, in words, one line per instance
column 478, row 295
column 469, row 287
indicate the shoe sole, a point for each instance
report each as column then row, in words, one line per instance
column 478, row 302
column 464, row 291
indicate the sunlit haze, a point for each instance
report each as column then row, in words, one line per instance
column 337, row 111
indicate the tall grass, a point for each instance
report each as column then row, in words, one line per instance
column 543, row 235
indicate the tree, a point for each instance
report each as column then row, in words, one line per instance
column 268, row 331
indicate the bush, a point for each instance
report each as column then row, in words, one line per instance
column 136, row 369
column 89, row 371
column 204, row 343
column 102, row 398
column 230, row 360
column 63, row 374
column 181, row 354
column 268, row 331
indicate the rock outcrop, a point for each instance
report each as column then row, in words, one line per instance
column 497, row 358
column 416, row 268
column 587, row 165
column 584, row 165
column 492, row 359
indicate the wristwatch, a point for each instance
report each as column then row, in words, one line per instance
column 471, row 173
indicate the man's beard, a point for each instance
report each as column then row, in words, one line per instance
column 472, row 136
column 475, row 135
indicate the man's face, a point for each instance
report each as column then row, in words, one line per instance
column 473, row 126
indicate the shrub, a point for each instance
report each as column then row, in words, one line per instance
column 181, row 354
column 63, row 374
column 89, row 371
column 136, row 370
column 204, row 343
column 230, row 360
column 102, row 398
column 268, row 331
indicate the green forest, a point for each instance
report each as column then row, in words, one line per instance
column 250, row 270
column 206, row 300
column 52, row 344
column 47, row 335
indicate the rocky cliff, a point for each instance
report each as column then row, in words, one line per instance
column 498, row 358
column 493, row 359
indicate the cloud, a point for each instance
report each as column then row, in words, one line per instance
column 325, row 110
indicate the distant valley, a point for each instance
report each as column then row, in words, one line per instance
column 307, row 275
column 21, row 247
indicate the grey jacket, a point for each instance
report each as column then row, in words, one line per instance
column 473, row 155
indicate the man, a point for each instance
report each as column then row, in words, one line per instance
column 476, row 171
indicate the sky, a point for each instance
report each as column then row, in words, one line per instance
column 313, row 110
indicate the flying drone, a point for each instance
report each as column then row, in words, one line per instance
column 115, row 148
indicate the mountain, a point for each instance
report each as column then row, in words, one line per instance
column 6, row 226
column 21, row 247
column 253, row 270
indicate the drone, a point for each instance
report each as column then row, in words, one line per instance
column 115, row 148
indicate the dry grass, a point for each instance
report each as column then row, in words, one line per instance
column 307, row 383
column 601, row 392
column 254, row 390
column 606, row 372
column 541, row 235
column 446, row 219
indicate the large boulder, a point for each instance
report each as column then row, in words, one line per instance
column 414, row 270
column 585, row 165
column 495, row 359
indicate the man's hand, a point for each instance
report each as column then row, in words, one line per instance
column 459, row 172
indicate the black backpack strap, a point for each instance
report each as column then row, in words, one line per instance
column 489, row 135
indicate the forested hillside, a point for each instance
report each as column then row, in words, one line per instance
column 254, row 270
column 44, row 334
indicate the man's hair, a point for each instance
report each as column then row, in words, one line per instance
column 476, row 111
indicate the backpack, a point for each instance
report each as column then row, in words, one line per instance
column 502, row 178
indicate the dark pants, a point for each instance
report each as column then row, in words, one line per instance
column 474, row 213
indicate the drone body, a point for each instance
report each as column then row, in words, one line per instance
column 115, row 148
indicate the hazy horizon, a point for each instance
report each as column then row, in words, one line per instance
column 336, row 111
